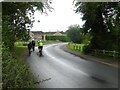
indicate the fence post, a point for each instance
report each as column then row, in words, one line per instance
column 73, row 46
column 114, row 53
column 95, row 52
column 68, row 44
column 79, row 48
column 76, row 47
column 104, row 52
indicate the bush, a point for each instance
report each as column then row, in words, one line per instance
column 86, row 49
column 63, row 38
column 15, row 72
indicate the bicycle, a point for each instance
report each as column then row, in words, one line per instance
column 30, row 52
column 40, row 52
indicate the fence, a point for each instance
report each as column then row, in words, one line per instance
column 79, row 47
column 106, row 53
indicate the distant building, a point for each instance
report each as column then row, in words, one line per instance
column 54, row 33
column 57, row 33
column 31, row 35
column 38, row 35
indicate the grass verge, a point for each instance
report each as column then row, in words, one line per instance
column 105, row 59
column 76, row 47
column 49, row 42
column 44, row 42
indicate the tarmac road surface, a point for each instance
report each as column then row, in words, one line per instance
column 59, row 69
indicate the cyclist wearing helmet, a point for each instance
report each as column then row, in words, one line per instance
column 33, row 45
column 40, row 47
column 29, row 47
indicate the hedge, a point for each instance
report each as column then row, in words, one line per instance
column 63, row 38
column 15, row 72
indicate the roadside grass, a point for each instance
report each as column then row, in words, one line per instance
column 20, row 51
column 103, row 58
column 19, row 43
column 49, row 42
column 73, row 47
column 16, row 72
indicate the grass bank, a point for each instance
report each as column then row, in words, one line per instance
column 77, row 49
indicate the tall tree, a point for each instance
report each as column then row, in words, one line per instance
column 75, row 34
column 100, row 22
column 17, row 19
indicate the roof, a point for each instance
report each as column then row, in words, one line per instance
column 37, row 32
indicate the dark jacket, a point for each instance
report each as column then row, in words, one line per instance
column 33, row 43
column 30, row 45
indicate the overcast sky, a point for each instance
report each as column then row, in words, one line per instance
column 59, row 19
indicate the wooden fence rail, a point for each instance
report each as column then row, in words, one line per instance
column 80, row 47
column 106, row 53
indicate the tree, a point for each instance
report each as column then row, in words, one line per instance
column 101, row 22
column 75, row 34
column 17, row 19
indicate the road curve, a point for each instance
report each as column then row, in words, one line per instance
column 59, row 69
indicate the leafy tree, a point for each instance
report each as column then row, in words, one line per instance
column 17, row 19
column 101, row 21
column 75, row 34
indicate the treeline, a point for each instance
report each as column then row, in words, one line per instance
column 62, row 38
column 77, row 35
column 18, row 19
column 102, row 23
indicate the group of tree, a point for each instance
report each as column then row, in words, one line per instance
column 77, row 35
column 18, row 18
column 102, row 22
column 62, row 38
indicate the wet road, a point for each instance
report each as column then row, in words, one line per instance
column 59, row 69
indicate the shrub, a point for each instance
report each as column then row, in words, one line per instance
column 63, row 38
column 15, row 72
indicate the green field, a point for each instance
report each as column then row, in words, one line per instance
column 44, row 42
column 50, row 42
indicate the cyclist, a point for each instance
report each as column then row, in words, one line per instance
column 33, row 45
column 29, row 47
column 40, row 47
